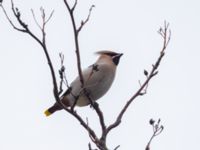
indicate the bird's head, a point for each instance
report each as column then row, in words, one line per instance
column 115, row 57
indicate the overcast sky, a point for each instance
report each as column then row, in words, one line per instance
column 127, row 26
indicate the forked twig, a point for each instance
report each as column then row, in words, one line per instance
column 157, row 129
column 76, row 33
column 83, row 22
column 165, row 32
column 74, row 6
column 11, row 23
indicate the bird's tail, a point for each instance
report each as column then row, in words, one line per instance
column 52, row 109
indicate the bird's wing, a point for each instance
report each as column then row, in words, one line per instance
column 90, row 79
column 91, row 75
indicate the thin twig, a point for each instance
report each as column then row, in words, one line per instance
column 42, row 43
column 50, row 16
column 25, row 29
column 43, row 15
column 86, row 20
column 95, row 105
column 116, row 147
column 89, row 145
column 36, row 19
column 74, row 6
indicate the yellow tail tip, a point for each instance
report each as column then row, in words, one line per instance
column 47, row 113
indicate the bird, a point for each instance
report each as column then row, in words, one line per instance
column 97, row 80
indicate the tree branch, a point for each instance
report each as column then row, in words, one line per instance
column 86, row 20
column 76, row 33
column 72, row 112
column 166, row 35
column 73, row 8
column 44, row 47
column 75, row 40
column 116, row 147
column 11, row 23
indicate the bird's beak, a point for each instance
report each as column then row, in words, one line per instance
column 119, row 55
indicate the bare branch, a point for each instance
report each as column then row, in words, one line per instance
column 75, row 3
column 50, row 16
column 75, row 40
column 95, row 105
column 11, row 23
column 86, row 20
column 166, row 34
column 92, row 138
column 166, row 38
column 25, row 29
column 42, row 43
column 44, row 21
column 76, row 31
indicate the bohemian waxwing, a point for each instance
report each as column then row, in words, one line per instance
column 98, row 78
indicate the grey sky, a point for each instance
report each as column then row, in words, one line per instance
column 127, row 26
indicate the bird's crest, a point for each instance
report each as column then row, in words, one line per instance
column 106, row 52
